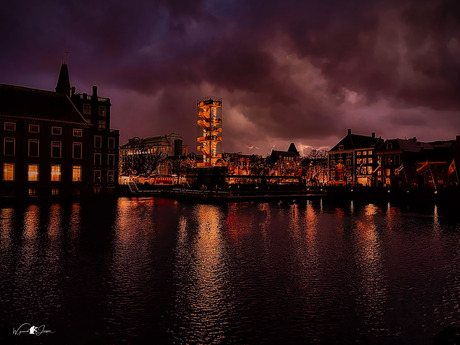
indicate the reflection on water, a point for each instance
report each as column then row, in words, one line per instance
column 372, row 276
column 242, row 273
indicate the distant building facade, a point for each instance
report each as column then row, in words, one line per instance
column 148, row 157
column 48, row 146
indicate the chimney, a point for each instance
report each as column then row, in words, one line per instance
column 373, row 134
column 349, row 131
column 95, row 91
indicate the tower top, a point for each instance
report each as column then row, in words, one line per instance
column 63, row 84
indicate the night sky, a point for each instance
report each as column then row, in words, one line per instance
column 288, row 71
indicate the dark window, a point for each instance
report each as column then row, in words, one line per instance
column 56, row 130
column 76, row 150
column 56, row 149
column 9, row 145
column 111, row 143
column 111, row 160
column 33, row 148
column 9, row 126
column 97, row 159
column 97, row 142
column 34, row 128
column 77, row 132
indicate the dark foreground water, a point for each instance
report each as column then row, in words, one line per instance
column 159, row 271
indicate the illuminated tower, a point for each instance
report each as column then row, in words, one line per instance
column 209, row 117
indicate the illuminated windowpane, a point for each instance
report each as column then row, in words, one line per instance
column 101, row 124
column 33, row 172
column 55, row 191
column 55, row 172
column 8, row 171
column 76, row 173
column 33, row 192
column 101, row 110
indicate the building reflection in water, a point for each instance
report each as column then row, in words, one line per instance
column 201, row 273
column 373, row 297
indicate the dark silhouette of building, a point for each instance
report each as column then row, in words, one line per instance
column 56, row 143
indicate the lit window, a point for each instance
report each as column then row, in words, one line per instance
column 369, row 160
column 9, row 126
column 97, row 141
column 358, row 153
column 77, row 132
column 101, row 110
column 33, row 172
column 76, row 150
column 101, row 124
column 33, row 192
column 76, row 173
column 8, row 171
column 33, row 148
column 369, row 153
column 56, row 149
column 55, row 172
column 55, row 191
column 9, row 146
column 34, row 128
column 56, row 130
column 86, row 109
column 111, row 143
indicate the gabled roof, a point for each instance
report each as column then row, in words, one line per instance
column 355, row 141
column 38, row 104
column 406, row 145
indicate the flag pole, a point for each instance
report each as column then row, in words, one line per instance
column 432, row 177
column 456, row 172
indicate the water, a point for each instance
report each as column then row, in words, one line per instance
column 160, row 271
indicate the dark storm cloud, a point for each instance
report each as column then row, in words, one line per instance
column 301, row 71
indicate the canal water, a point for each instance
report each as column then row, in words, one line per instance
column 158, row 271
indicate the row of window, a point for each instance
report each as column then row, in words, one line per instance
column 33, row 128
column 9, row 147
column 87, row 109
column 33, row 172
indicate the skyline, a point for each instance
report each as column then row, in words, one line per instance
column 287, row 72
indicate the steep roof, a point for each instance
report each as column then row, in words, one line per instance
column 39, row 104
column 63, row 84
column 355, row 141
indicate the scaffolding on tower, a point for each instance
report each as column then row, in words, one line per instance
column 209, row 120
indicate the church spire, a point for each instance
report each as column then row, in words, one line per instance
column 63, row 84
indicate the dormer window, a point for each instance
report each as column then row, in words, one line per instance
column 389, row 146
column 341, row 147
